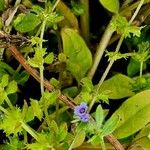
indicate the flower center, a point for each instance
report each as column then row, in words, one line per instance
column 82, row 110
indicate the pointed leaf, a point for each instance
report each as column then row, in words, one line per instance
column 99, row 116
column 36, row 110
column 111, row 5
column 134, row 114
column 79, row 56
column 12, row 87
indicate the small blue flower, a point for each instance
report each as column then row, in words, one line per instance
column 81, row 112
column 81, row 109
column 85, row 118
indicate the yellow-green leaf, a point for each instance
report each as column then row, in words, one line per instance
column 78, row 54
column 111, row 5
column 134, row 114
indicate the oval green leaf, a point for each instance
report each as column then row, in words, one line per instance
column 25, row 23
column 79, row 56
column 111, row 5
column 134, row 114
column 119, row 86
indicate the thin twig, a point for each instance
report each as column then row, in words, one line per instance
column 114, row 142
column 35, row 74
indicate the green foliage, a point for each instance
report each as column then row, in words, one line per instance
column 11, row 122
column 13, row 143
column 119, row 86
column 116, row 55
column 110, row 125
column 77, row 8
column 134, row 67
column 99, row 116
column 112, row 6
column 77, row 52
column 2, row 5
column 78, row 139
column 123, row 27
column 133, row 114
column 25, row 23
column 36, row 110
column 46, row 33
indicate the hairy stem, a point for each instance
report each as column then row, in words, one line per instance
column 136, row 12
column 141, row 68
column 56, row 3
column 100, row 50
column 29, row 130
column 3, row 110
column 41, row 67
column 8, row 102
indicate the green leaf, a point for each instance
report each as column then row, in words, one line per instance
column 21, row 78
column 49, row 58
column 37, row 60
column 36, row 110
column 71, row 91
column 12, row 87
column 99, row 116
column 11, row 122
column 2, row 5
column 134, row 114
column 142, row 139
column 87, row 85
column 62, row 132
column 54, row 127
column 95, row 140
column 110, row 125
column 78, row 139
column 145, row 132
column 29, row 114
column 6, row 69
column 111, row 5
column 4, row 80
column 2, row 97
column 119, row 86
column 79, row 56
column 134, row 67
column 25, row 23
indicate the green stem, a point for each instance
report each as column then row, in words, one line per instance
column 42, row 67
column 84, row 20
column 3, row 110
column 136, row 12
column 25, row 137
column 100, row 50
column 105, row 74
column 42, row 79
column 103, row 144
column 8, row 102
column 29, row 130
column 54, row 6
column 141, row 69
